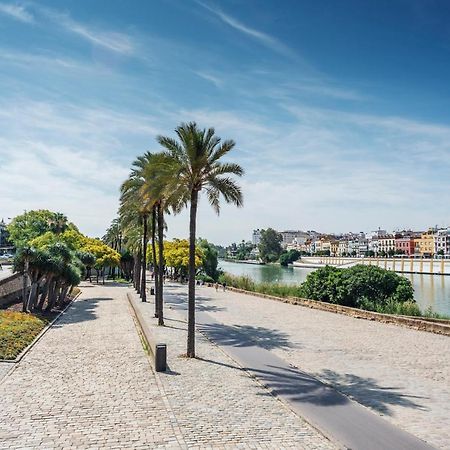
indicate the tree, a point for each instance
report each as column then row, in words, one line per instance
column 289, row 257
column 197, row 155
column 104, row 255
column 163, row 192
column 31, row 224
column 270, row 245
column 176, row 255
column 210, row 260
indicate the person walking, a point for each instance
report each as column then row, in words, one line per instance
column 224, row 286
column 217, row 286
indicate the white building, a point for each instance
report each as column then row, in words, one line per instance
column 442, row 242
column 293, row 237
column 256, row 237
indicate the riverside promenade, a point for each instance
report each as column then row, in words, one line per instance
column 88, row 383
column 398, row 373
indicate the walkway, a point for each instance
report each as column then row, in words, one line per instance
column 88, row 384
column 216, row 403
column 399, row 373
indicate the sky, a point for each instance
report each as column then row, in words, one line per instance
column 340, row 110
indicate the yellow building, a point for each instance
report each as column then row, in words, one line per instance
column 426, row 244
column 334, row 248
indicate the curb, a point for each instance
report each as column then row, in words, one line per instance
column 158, row 350
column 40, row 335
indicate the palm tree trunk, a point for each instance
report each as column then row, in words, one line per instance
column 191, row 286
column 144, row 262
column 155, row 271
column 161, row 264
column 138, row 271
column 45, row 292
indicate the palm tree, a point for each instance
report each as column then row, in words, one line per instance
column 133, row 202
column 197, row 156
column 164, row 193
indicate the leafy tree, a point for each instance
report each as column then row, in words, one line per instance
column 210, row 260
column 198, row 155
column 30, row 225
column 289, row 257
column 244, row 250
column 270, row 245
column 176, row 255
column 104, row 255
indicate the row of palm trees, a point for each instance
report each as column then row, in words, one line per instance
column 166, row 182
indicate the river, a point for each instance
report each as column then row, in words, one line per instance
column 429, row 290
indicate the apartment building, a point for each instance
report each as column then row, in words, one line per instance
column 427, row 243
column 386, row 244
column 442, row 242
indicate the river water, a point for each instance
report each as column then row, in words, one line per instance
column 429, row 290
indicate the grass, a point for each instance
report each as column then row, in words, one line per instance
column 409, row 308
column 17, row 331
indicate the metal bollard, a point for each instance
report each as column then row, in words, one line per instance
column 160, row 357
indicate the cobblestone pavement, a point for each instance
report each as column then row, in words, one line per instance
column 5, row 367
column 87, row 384
column 217, row 405
column 400, row 373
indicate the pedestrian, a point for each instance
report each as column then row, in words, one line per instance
column 1, row 266
column 217, row 286
column 224, row 286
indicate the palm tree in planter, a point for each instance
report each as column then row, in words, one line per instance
column 198, row 153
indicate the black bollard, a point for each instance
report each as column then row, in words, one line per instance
column 160, row 357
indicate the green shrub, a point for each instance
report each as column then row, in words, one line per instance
column 359, row 286
column 205, row 278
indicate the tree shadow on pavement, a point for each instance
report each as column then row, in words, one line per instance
column 369, row 393
column 245, row 336
column 298, row 386
column 81, row 311
column 179, row 301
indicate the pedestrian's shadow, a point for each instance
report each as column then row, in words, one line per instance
column 245, row 336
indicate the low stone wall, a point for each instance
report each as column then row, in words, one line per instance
column 423, row 324
column 10, row 288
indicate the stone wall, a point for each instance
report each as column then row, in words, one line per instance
column 10, row 288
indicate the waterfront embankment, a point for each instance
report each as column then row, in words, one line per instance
column 425, row 266
column 430, row 291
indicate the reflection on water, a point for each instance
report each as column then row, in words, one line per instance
column 429, row 290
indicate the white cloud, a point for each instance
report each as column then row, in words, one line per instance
column 17, row 12
column 218, row 82
column 263, row 38
column 111, row 40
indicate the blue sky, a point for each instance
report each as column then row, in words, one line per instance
column 340, row 110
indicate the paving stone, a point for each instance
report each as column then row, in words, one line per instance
column 399, row 373
column 88, row 384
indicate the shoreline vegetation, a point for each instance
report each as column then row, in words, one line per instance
column 362, row 287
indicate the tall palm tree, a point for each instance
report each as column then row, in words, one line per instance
column 133, row 201
column 164, row 194
column 198, row 155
